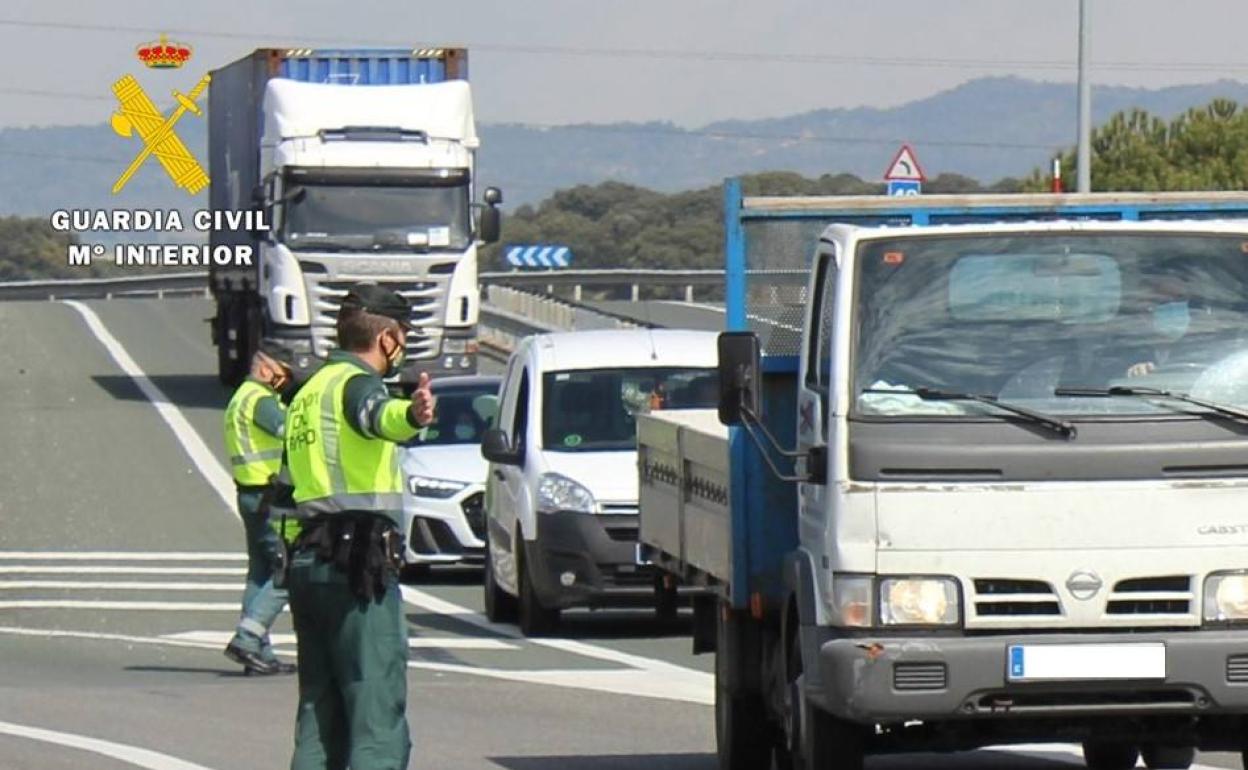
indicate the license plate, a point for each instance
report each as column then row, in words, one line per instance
column 1085, row 662
column 640, row 556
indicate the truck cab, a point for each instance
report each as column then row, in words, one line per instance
column 990, row 493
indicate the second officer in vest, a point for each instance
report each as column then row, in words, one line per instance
column 341, row 431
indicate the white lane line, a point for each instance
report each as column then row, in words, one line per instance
column 131, row 755
column 121, row 556
column 221, row 638
column 75, row 604
column 200, row 455
column 95, row 569
column 647, row 677
column 107, row 585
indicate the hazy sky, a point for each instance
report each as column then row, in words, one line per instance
column 686, row 61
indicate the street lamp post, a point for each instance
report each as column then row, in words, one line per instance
column 1084, row 158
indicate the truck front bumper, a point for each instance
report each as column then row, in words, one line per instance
column 939, row 678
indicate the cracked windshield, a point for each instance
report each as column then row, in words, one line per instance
column 1047, row 320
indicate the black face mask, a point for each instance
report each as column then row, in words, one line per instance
column 395, row 358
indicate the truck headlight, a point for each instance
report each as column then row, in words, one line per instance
column 423, row 486
column 1226, row 597
column 851, row 600
column 919, row 602
column 560, row 493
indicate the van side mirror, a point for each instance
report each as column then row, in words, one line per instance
column 739, row 355
column 491, row 225
column 496, row 448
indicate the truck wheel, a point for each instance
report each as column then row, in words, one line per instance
column 816, row 740
column 1109, row 756
column 535, row 619
column 500, row 606
column 743, row 736
column 221, row 326
column 1168, row 757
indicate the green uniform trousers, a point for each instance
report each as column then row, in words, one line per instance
column 352, row 673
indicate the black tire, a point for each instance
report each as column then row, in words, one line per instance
column 500, row 606
column 813, row 738
column 414, row 573
column 1168, row 757
column 1109, row 756
column 535, row 618
column 743, row 736
column 666, row 603
column 227, row 370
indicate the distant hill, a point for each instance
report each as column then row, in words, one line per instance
column 986, row 129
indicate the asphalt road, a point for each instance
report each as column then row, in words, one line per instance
column 121, row 570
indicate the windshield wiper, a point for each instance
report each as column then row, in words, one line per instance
column 1139, row 392
column 1055, row 424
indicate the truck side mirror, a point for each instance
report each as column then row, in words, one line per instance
column 496, row 448
column 491, row 224
column 492, row 196
column 738, row 376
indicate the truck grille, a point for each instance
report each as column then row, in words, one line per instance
column 1165, row 595
column 1003, row 597
column 426, row 296
column 920, row 676
column 1237, row 669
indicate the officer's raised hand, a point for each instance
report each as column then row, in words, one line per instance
column 421, row 410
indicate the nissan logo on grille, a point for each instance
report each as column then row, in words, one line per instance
column 1084, row 584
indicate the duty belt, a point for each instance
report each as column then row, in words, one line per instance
column 366, row 547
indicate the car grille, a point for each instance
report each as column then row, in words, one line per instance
column 426, row 296
column 1165, row 595
column 473, row 507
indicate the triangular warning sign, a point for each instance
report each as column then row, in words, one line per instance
column 905, row 167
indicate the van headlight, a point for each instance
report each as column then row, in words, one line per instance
column 560, row 493
column 423, row 486
column 1226, row 597
column 906, row 601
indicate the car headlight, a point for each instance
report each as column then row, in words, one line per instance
column 423, row 486
column 1226, row 597
column 560, row 493
column 851, row 601
column 919, row 602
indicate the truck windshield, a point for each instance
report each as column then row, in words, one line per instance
column 375, row 217
column 595, row 410
column 1041, row 320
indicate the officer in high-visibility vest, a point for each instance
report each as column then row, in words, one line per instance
column 341, row 431
column 254, row 425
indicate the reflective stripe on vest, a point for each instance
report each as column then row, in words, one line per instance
column 255, row 454
column 335, row 468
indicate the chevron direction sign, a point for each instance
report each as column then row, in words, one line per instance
column 539, row 255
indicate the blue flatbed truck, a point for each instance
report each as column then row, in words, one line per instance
column 942, row 505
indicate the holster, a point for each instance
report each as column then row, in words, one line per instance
column 365, row 547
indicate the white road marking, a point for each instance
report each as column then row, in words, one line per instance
column 121, row 556
column 76, row 604
column 119, row 585
column 221, row 638
column 131, row 755
column 202, row 457
column 96, row 569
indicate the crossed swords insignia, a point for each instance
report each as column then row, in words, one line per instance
column 138, row 113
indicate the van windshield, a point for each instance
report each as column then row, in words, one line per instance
column 595, row 410
column 1034, row 319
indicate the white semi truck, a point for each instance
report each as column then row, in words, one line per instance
column 363, row 162
column 986, row 483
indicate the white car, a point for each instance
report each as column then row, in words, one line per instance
column 444, row 477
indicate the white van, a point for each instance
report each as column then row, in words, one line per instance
column 561, row 495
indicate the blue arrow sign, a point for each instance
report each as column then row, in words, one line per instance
column 538, row 256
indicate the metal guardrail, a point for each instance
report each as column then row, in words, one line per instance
column 87, row 288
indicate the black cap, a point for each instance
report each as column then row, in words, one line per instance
column 378, row 300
